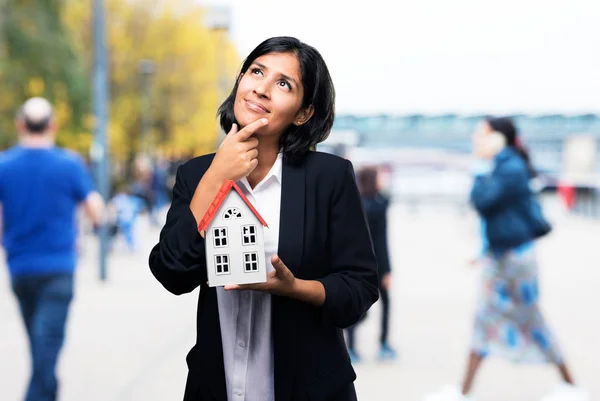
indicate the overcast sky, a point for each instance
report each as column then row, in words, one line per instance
column 437, row 56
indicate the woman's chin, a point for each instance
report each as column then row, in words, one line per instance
column 248, row 118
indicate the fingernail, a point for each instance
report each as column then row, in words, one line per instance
column 264, row 120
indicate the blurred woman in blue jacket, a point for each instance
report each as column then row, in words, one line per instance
column 508, row 322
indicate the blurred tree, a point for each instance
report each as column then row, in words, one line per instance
column 183, row 85
column 37, row 59
column 46, row 49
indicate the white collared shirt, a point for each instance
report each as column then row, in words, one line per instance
column 245, row 316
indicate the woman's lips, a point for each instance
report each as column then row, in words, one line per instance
column 257, row 107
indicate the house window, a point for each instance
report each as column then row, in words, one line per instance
column 249, row 235
column 232, row 213
column 222, row 264
column 250, row 262
column 220, row 236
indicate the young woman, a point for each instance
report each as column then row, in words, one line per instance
column 508, row 321
column 281, row 340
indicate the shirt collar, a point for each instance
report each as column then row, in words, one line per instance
column 274, row 173
column 277, row 168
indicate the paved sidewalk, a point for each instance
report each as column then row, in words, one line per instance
column 128, row 337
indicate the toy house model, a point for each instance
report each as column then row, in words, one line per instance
column 235, row 250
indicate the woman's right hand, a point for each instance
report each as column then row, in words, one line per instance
column 235, row 158
column 237, row 154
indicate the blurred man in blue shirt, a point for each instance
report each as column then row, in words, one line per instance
column 41, row 187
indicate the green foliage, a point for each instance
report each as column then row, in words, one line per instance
column 46, row 49
column 37, row 58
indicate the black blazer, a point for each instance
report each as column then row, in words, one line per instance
column 323, row 236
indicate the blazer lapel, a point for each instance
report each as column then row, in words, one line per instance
column 291, row 221
column 291, row 244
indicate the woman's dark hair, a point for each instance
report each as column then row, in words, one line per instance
column 319, row 92
column 507, row 128
column 367, row 181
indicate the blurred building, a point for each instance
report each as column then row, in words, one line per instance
column 545, row 135
column 429, row 156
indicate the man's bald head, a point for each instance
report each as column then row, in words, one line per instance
column 36, row 115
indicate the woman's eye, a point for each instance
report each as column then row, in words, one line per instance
column 256, row 71
column 285, row 84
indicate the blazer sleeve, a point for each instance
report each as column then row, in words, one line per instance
column 178, row 261
column 352, row 285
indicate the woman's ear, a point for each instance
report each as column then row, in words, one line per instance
column 304, row 115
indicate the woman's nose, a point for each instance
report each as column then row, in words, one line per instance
column 261, row 89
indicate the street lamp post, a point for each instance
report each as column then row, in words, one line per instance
column 218, row 19
column 146, row 69
column 99, row 153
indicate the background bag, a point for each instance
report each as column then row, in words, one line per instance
column 538, row 223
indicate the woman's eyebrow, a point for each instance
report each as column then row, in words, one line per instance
column 284, row 76
column 289, row 78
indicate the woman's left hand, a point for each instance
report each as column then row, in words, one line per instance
column 386, row 281
column 281, row 281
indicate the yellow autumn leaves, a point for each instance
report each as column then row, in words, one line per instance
column 187, row 59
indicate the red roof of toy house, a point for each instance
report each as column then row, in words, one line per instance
column 218, row 201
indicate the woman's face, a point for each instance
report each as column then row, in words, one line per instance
column 271, row 88
column 483, row 129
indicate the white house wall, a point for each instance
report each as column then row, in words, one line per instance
column 235, row 248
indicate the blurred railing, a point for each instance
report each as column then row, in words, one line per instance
column 425, row 178
column 430, row 187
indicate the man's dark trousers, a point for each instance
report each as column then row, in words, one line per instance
column 44, row 303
